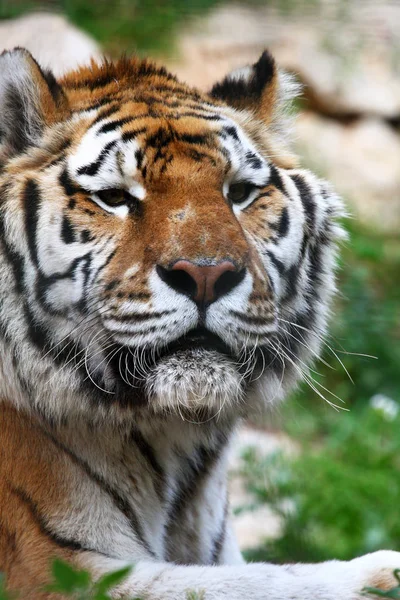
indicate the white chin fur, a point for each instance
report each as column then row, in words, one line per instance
column 194, row 380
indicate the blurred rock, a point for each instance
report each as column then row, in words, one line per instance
column 347, row 53
column 53, row 41
column 362, row 159
column 254, row 526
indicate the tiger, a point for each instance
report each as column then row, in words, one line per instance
column 167, row 270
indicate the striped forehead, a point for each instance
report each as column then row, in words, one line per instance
column 112, row 151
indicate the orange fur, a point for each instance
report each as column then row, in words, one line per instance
column 28, row 465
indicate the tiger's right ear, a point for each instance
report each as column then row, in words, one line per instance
column 254, row 88
column 30, row 100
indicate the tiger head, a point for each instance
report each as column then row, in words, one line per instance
column 159, row 249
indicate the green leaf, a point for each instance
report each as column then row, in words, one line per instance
column 69, row 580
column 394, row 593
column 4, row 595
column 111, row 580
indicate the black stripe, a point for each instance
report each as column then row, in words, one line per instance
column 198, row 467
column 231, row 131
column 315, row 268
column 40, row 520
column 15, row 259
column 55, row 89
column 108, row 112
column 93, row 83
column 306, row 196
column 276, row 262
column 139, row 155
column 106, row 100
column 251, row 319
column 131, row 135
column 121, row 503
column 70, row 188
column 87, row 236
column 139, row 296
column 148, row 454
column 38, row 335
column 67, row 231
column 292, row 278
column 160, row 139
column 282, row 227
column 147, row 451
column 113, row 125
column 138, row 317
column 276, row 179
column 200, row 156
column 45, row 282
column 31, row 204
column 253, row 160
column 218, row 542
column 94, row 167
column 200, row 140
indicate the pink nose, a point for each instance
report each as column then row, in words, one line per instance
column 203, row 284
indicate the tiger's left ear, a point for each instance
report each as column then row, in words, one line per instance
column 30, row 99
column 253, row 88
column 266, row 92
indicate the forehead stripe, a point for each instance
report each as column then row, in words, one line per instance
column 127, row 136
column 94, row 167
column 112, row 125
column 107, row 112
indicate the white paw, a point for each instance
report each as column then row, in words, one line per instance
column 376, row 570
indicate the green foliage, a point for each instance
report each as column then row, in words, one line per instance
column 339, row 497
column 141, row 25
column 366, row 322
column 77, row 584
column 192, row 595
column 4, row 595
column 369, row 319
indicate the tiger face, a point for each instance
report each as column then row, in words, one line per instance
column 159, row 248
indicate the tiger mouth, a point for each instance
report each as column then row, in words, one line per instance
column 197, row 339
column 195, row 354
column 136, row 367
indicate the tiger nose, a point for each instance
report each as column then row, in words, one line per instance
column 203, row 284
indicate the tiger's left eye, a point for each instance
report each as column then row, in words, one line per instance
column 239, row 192
column 114, row 196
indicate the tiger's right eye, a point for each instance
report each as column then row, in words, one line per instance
column 114, row 196
column 239, row 192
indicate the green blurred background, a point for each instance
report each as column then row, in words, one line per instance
column 337, row 494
